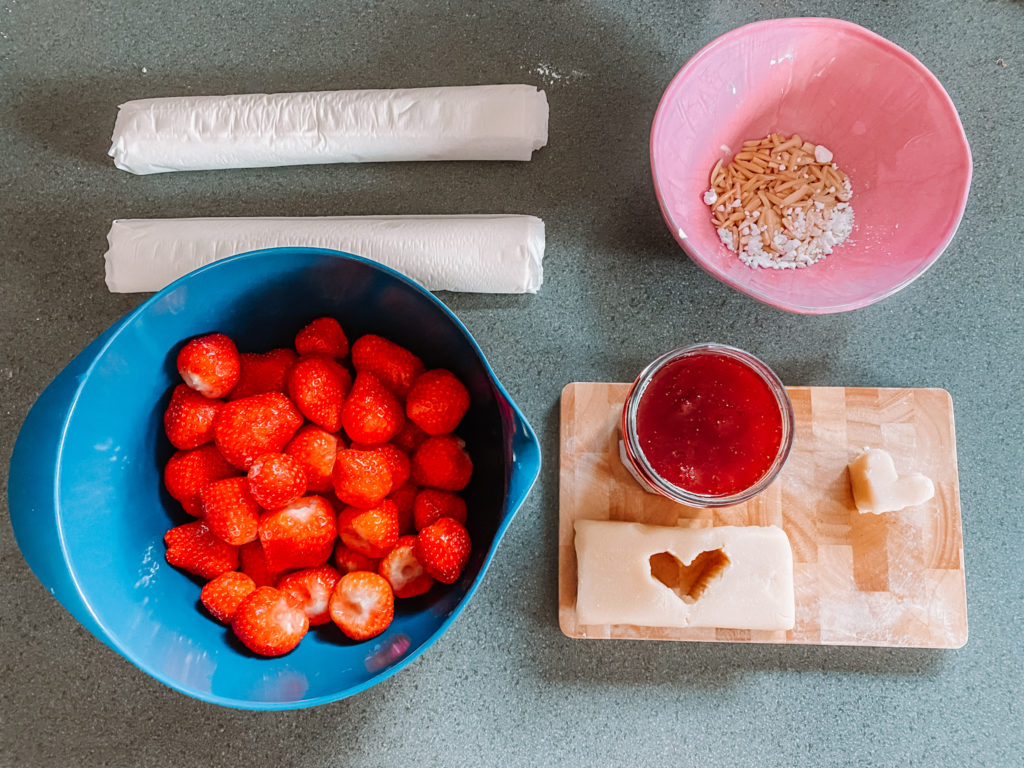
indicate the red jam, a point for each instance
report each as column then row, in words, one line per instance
column 709, row 424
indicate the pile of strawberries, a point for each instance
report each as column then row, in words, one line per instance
column 325, row 482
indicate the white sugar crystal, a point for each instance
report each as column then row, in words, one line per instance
column 822, row 154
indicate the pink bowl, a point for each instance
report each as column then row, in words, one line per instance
column 886, row 118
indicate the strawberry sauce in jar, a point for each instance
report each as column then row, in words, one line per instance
column 707, row 426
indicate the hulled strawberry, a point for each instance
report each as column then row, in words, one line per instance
column 323, row 336
column 263, row 372
column 410, row 438
column 442, row 462
column 209, row 365
column 230, row 511
column 252, row 426
column 222, row 595
column 188, row 472
column 348, row 560
column 188, row 420
column 398, row 461
column 404, row 500
column 270, row 622
column 405, row 573
column 371, row 532
column 362, row 605
column 394, row 365
column 431, row 505
column 252, row 561
column 437, row 402
column 315, row 449
column 361, row 478
column 313, row 588
column 299, row 535
column 318, row 385
column 371, row 414
column 193, row 548
column 443, row 548
column 276, row 479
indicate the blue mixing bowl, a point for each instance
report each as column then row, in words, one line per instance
column 89, row 510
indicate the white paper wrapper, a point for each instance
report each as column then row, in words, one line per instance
column 196, row 133
column 474, row 254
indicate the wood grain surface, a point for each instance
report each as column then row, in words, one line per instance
column 885, row 580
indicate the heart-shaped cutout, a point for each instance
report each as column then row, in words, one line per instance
column 689, row 580
column 878, row 488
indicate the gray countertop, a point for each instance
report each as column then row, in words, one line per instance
column 504, row 686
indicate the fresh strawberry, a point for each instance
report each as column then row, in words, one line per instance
column 348, row 560
column 395, row 366
column 362, row 605
column 403, row 571
column 443, row 548
column 276, row 479
column 188, row 420
column 318, row 386
column 371, row 414
column 431, row 505
column 313, row 588
column 361, row 478
column 300, row 535
column 255, row 425
column 263, row 372
column 230, row 511
column 270, row 622
column 192, row 547
column 323, row 336
column 437, row 402
column 222, row 595
column 253, row 562
column 410, row 438
column 398, row 461
column 442, row 462
column 315, row 449
column 209, row 365
column 187, row 472
column 371, row 532
column 404, row 499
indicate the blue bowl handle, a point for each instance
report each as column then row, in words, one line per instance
column 525, row 461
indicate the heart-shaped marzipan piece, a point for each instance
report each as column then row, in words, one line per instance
column 877, row 487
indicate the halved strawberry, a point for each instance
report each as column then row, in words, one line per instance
column 403, row 571
column 323, row 336
column 394, row 365
column 313, row 588
column 361, row 478
column 222, row 595
column 371, row 414
column 255, row 425
column 443, row 548
column 348, row 560
column 315, row 449
column 404, row 499
column 276, row 479
column 362, row 605
column 371, row 532
column 252, row 561
column 263, row 372
column 230, row 511
column 270, row 622
column 188, row 420
column 192, row 547
column 318, row 386
column 209, row 365
column 431, row 505
column 442, row 462
column 299, row 535
column 410, row 438
column 437, row 402
column 188, row 472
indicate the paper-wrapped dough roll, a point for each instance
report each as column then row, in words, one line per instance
column 474, row 254
column 196, row 133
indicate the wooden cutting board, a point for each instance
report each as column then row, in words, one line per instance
column 886, row 580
